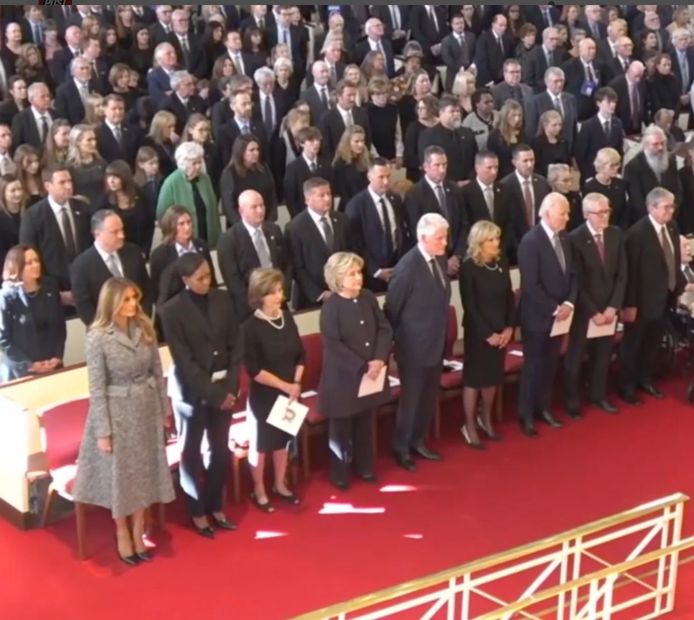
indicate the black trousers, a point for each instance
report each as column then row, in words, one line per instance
column 350, row 442
column 203, row 487
column 598, row 362
column 639, row 352
column 419, row 389
column 540, row 361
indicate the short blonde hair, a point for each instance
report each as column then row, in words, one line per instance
column 262, row 282
column 605, row 157
column 337, row 267
column 480, row 232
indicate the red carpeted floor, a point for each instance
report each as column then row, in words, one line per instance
column 297, row 559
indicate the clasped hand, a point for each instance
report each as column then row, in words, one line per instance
column 374, row 367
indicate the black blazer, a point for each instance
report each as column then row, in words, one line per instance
column 600, row 285
column 332, row 127
column 110, row 149
column 362, row 48
column 308, row 254
column 460, row 146
column 197, row 58
column 25, row 130
column 489, row 58
column 424, row 30
column 367, row 234
column 298, row 39
column 238, row 258
column 591, row 138
column 296, row 173
column 417, row 308
column 623, row 110
column 231, row 131
column 456, row 56
column 641, row 179
column 68, row 103
column 201, row 345
column 88, row 273
column 59, row 66
column 545, row 285
column 689, row 55
column 22, row 342
column 39, row 229
column 542, row 102
column 315, row 104
column 174, row 105
column 575, row 78
column 536, row 64
column 476, row 206
column 647, row 289
column 421, row 199
column 9, row 233
column 8, row 110
column 162, row 277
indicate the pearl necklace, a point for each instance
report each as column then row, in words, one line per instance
column 264, row 317
column 496, row 267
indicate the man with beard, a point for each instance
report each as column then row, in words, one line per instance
column 653, row 167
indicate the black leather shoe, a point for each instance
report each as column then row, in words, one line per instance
column 369, row 477
column 605, row 405
column 651, row 390
column 425, row 453
column 405, row 461
column 550, row 419
column 528, row 428
column 145, row 556
column 629, row 396
column 289, row 499
column 205, row 532
column 343, row 485
column 573, row 412
column 224, row 523
column 130, row 560
column 265, row 507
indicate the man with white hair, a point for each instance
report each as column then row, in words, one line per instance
column 188, row 45
column 318, row 96
column 160, row 30
column 416, row 305
column 592, row 22
column 548, row 296
column 375, row 42
column 607, row 47
column 541, row 58
column 652, row 167
column 655, row 281
column 683, row 62
column 631, row 97
column 71, row 95
column 159, row 78
column 619, row 63
column 554, row 98
column 584, row 76
column 32, row 124
column 62, row 58
column 183, row 100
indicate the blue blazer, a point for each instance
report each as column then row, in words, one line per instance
column 544, row 284
column 21, row 340
column 158, row 83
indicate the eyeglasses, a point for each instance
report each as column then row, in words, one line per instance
column 602, row 213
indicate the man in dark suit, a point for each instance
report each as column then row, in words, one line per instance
column 457, row 50
column 542, row 16
column 493, row 48
column 318, row 95
column 428, row 27
column 377, row 233
column 71, row 95
column 295, row 37
column 59, row 65
column 652, row 167
column 548, row 295
column 601, row 273
column 525, row 192
column 31, row 125
column 683, row 63
column 332, row 57
column 345, row 114
column 91, row 50
column 312, row 236
column 308, row 165
column 375, row 41
column 655, row 282
column 417, row 307
column 459, row 143
column 607, row 47
column 584, row 76
column 513, row 88
column 250, row 243
column 631, row 98
column 619, row 63
column 116, row 139
column 242, row 123
column 549, row 54
column 189, row 47
column 395, row 18
column 183, row 101
column 58, row 227
column 161, row 28
column 159, row 78
column 554, row 98
column 601, row 131
column 433, row 193
column 109, row 256
column 652, row 23
column 592, row 22
column 244, row 63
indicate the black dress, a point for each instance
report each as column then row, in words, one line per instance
column 496, row 143
column 547, row 153
column 138, row 221
column 9, row 232
column 685, row 213
column 278, row 351
column 413, row 168
column 616, row 193
column 488, row 309
column 348, row 181
column 88, row 181
column 232, row 185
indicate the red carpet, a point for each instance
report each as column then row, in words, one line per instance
column 295, row 560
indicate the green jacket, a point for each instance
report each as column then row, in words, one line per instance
column 177, row 190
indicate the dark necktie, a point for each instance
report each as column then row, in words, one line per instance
column 44, row 127
column 324, row 96
column 635, row 109
column 669, row 259
column 606, row 127
column 600, row 245
column 386, row 228
column 312, row 167
column 550, row 58
column 66, row 224
column 436, row 272
column 267, row 113
column 185, row 49
column 441, row 195
column 559, row 251
column 328, row 232
column 529, row 205
column 500, row 42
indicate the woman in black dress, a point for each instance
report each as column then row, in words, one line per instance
column 357, row 339
column 32, row 322
column 561, row 180
column 549, row 145
column 507, row 135
column 608, row 163
column 86, row 164
column 274, row 358
column 162, row 137
column 12, row 203
column 246, row 171
column 350, row 165
column 427, row 116
column 420, row 87
column 662, row 88
column 685, row 213
column 485, row 290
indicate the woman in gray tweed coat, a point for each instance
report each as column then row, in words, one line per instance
column 122, row 462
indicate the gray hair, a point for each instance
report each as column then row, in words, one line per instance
column 283, row 62
column 337, row 266
column 606, row 156
column 653, row 131
column 554, row 72
column 188, row 152
column 262, row 73
column 372, row 21
column 554, row 170
column 78, row 60
column 680, row 33
column 177, row 77
column 656, row 196
column 550, row 201
column 592, row 200
column 430, row 223
column 99, row 219
column 34, row 88
column 160, row 49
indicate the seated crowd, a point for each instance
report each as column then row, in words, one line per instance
column 413, row 146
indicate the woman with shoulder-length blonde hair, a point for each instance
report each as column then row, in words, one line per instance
column 485, row 289
column 357, row 339
column 549, row 144
column 162, row 137
column 86, row 164
column 507, row 135
column 463, row 87
column 350, row 165
column 122, row 462
column 608, row 163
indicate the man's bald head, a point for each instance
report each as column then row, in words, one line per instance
column 252, row 208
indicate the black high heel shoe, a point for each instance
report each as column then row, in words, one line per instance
column 205, row 532
column 489, row 433
column 266, row 507
column 224, row 523
column 290, row 499
column 478, row 445
column 130, row 560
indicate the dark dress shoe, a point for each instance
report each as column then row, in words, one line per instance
column 130, row 560
column 368, row 477
column 224, row 523
column 405, row 461
column 487, row 431
column 629, row 396
column 528, row 428
column 605, row 405
column 145, row 556
column 289, row 499
column 205, row 532
column 651, row 390
column 343, row 485
column 550, row 419
column 427, row 454
column 573, row 411
column 265, row 507
column 477, row 445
